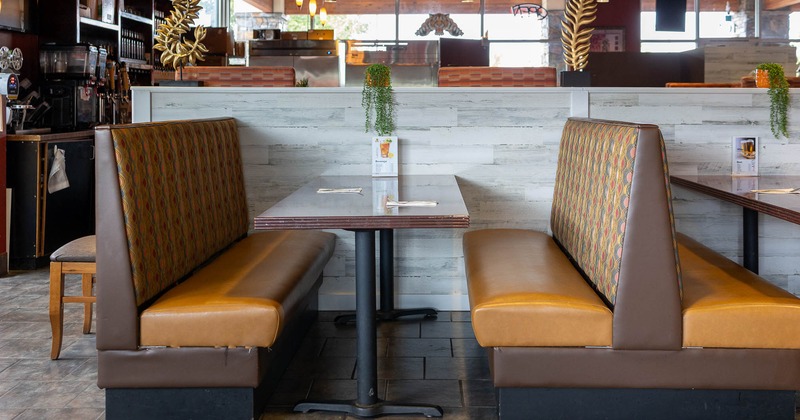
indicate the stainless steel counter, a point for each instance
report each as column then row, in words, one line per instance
column 317, row 61
column 413, row 63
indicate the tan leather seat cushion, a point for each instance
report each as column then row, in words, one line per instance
column 241, row 298
column 726, row 305
column 523, row 291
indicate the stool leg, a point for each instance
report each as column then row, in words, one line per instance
column 56, row 307
column 86, row 284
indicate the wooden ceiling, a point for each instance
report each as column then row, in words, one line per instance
column 492, row 6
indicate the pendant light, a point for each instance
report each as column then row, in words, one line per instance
column 312, row 7
column 323, row 16
column 299, row 3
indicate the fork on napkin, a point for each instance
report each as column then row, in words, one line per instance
column 411, row 203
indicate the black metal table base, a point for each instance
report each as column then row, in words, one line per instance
column 390, row 315
column 387, row 312
column 750, row 239
column 381, row 408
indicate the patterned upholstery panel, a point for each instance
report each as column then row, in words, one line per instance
column 591, row 198
column 183, row 196
column 240, row 76
column 498, row 76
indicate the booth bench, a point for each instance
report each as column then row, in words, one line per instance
column 617, row 316
column 195, row 318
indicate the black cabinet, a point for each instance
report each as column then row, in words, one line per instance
column 42, row 221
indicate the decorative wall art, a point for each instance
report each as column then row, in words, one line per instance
column 438, row 23
column 608, row 40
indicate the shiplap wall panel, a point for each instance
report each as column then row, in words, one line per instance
column 502, row 144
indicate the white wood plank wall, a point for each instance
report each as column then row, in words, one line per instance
column 502, row 144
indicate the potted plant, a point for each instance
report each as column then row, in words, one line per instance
column 770, row 75
column 377, row 97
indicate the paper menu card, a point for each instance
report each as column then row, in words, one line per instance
column 744, row 158
column 384, row 156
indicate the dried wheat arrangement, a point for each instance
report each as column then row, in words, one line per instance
column 575, row 34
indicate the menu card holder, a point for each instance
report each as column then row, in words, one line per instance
column 744, row 156
column 384, row 156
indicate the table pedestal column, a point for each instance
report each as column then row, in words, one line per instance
column 387, row 312
column 750, row 239
column 367, row 403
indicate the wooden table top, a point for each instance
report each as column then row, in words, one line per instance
column 307, row 209
column 738, row 190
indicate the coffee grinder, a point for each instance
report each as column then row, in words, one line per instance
column 70, row 85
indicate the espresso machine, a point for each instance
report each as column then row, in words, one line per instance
column 70, row 85
column 17, row 110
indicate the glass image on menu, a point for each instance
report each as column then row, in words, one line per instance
column 744, row 159
column 384, row 156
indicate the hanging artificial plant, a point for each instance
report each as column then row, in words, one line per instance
column 377, row 97
column 778, row 99
column 575, row 34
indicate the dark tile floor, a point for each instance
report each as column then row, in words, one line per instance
column 434, row 361
column 430, row 361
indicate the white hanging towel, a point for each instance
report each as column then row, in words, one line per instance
column 58, row 172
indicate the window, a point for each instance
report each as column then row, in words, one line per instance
column 716, row 20
column 210, row 14
column 515, row 40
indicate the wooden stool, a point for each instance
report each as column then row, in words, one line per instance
column 76, row 257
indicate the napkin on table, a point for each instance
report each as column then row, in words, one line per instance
column 339, row 191
column 411, row 203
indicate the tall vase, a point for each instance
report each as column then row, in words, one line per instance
column 762, row 78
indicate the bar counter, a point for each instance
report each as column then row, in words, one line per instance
column 502, row 145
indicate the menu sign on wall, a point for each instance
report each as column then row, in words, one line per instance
column 744, row 159
column 384, row 156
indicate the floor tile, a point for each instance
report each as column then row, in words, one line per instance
column 467, row 347
column 41, row 330
column 343, row 347
column 331, row 329
column 9, row 414
column 479, row 393
column 456, row 368
column 91, row 397
column 63, row 413
column 83, row 347
column 25, row 348
column 41, row 369
column 42, row 394
column 461, row 316
column 408, row 329
column 399, row 368
column 289, row 391
column 447, row 330
column 322, row 367
column 419, row 347
column 445, row 393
